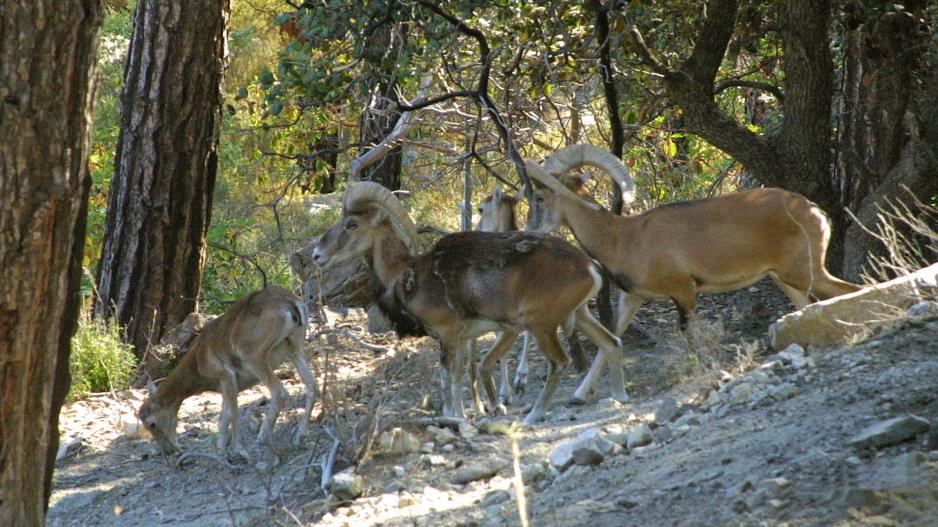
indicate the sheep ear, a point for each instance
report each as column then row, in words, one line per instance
column 151, row 387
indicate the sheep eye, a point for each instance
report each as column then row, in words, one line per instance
column 351, row 226
column 152, row 426
column 540, row 199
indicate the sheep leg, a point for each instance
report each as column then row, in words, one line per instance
column 277, row 394
column 228, row 431
column 521, row 374
column 502, row 344
column 557, row 360
column 302, row 368
column 609, row 352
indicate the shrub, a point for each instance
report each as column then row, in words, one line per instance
column 99, row 362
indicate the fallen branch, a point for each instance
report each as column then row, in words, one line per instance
column 328, row 462
column 404, row 123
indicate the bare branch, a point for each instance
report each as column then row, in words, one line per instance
column 764, row 86
column 403, row 125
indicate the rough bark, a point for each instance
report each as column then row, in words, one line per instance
column 49, row 52
column 149, row 274
column 879, row 145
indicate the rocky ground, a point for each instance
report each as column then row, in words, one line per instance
column 729, row 435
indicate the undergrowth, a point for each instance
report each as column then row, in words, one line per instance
column 99, row 361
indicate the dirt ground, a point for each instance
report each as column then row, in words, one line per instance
column 775, row 453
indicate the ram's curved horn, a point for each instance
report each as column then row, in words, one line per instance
column 551, row 182
column 364, row 193
column 575, row 156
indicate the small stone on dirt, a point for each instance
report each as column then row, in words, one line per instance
column 444, row 436
column 640, row 436
column 467, row 431
column 69, row 447
column 890, row 432
column 667, row 410
column 484, row 469
column 495, row 497
column 346, row 486
column 563, row 455
column 741, row 393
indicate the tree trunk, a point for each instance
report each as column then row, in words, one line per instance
column 46, row 100
column 376, row 124
column 159, row 206
column 878, row 140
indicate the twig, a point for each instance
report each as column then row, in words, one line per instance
column 192, row 454
column 328, row 462
column 358, row 340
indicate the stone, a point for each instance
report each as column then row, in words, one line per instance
column 484, row 469
column 667, row 410
column 427, row 448
column 444, row 436
column 924, row 309
column 713, row 399
column 640, row 436
column 662, row 434
column 467, row 431
column 399, row 471
column 783, row 391
column 563, row 455
column 131, row 426
column 741, row 393
column 396, row 442
column 495, row 497
column 534, row 472
column 68, row 447
column 448, row 448
column 346, row 486
column 587, row 455
column 434, row 460
column 890, row 432
column 394, row 486
column 406, row 499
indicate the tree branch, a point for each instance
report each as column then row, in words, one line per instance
column 764, row 86
column 406, row 121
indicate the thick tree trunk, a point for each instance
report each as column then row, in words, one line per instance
column 46, row 97
column 149, row 274
column 879, row 144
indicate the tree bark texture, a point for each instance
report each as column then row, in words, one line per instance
column 377, row 121
column 879, row 144
column 49, row 54
column 149, row 275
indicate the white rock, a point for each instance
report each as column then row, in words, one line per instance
column 427, row 448
column 448, row 448
column 640, row 436
column 68, row 447
column 131, row 426
column 667, row 410
column 563, row 455
column 925, row 309
column 399, row 471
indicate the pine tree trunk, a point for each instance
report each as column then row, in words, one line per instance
column 49, row 55
column 149, row 275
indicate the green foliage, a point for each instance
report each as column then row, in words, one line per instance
column 99, row 361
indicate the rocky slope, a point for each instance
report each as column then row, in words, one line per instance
column 832, row 436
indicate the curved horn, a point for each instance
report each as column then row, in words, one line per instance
column 576, row 156
column 364, row 193
column 551, row 182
